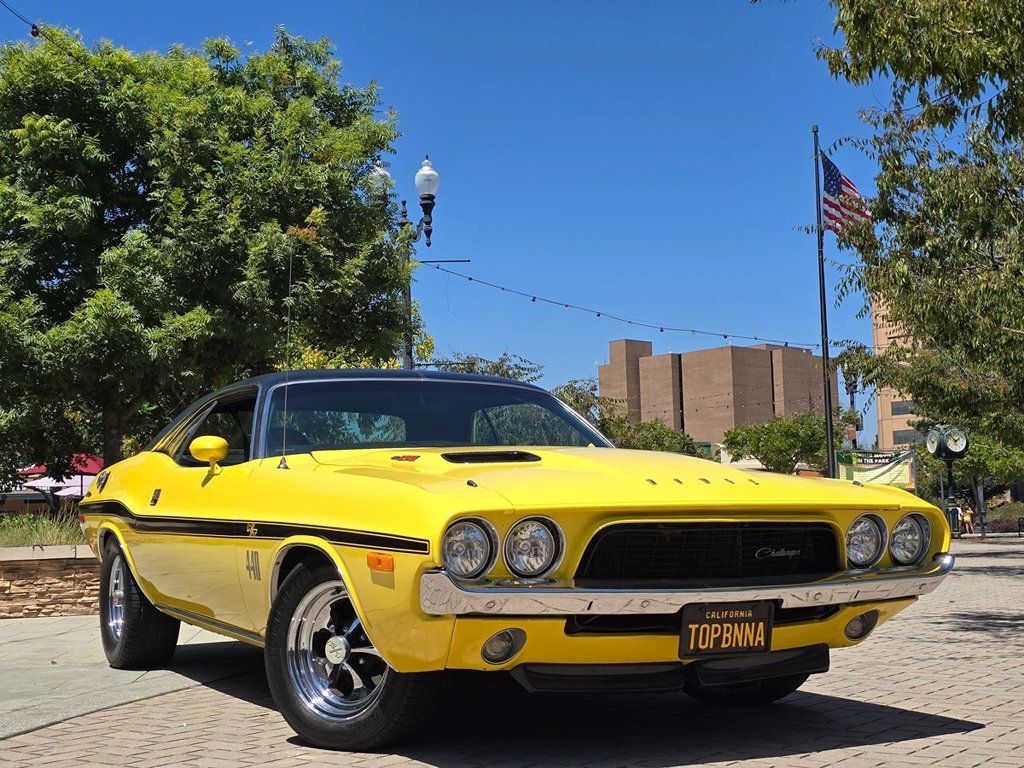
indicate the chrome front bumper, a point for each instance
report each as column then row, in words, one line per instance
column 440, row 595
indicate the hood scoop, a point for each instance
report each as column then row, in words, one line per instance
column 489, row 457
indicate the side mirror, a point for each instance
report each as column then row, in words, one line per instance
column 209, row 448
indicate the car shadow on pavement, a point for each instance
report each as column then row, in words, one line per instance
column 482, row 715
column 482, row 719
column 222, row 666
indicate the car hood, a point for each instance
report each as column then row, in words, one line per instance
column 546, row 478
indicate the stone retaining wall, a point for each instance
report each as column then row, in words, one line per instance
column 48, row 581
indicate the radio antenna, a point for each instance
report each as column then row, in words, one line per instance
column 283, row 464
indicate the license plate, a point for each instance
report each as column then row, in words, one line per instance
column 718, row 628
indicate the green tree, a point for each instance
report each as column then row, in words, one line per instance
column 582, row 396
column 650, row 435
column 507, row 366
column 950, row 59
column 989, row 459
column 153, row 206
column 785, row 441
column 943, row 257
column 944, row 266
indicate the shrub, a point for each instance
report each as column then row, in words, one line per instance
column 25, row 530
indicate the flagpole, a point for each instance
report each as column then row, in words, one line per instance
column 826, row 366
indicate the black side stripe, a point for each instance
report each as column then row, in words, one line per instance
column 238, row 529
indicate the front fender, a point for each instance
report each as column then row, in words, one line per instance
column 95, row 538
column 308, row 542
column 387, row 603
column 389, row 606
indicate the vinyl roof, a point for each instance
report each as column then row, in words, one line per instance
column 279, row 377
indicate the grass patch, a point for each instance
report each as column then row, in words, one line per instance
column 27, row 530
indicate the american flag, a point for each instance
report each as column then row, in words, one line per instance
column 842, row 202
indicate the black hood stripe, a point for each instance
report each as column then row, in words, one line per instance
column 255, row 529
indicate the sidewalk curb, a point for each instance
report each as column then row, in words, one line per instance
column 47, row 552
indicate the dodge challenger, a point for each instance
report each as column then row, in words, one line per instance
column 371, row 529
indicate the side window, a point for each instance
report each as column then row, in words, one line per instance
column 309, row 429
column 231, row 419
column 521, row 424
column 179, row 433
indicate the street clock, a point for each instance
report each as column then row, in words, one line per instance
column 946, row 442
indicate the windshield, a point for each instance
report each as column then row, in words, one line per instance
column 342, row 414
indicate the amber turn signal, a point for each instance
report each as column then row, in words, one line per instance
column 378, row 562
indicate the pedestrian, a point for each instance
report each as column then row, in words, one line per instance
column 968, row 521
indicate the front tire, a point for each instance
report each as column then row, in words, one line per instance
column 135, row 634
column 328, row 681
column 756, row 693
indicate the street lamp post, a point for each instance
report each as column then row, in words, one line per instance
column 851, row 391
column 427, row 182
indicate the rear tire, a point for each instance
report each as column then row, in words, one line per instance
column 135, row 634
column 328, row 681
column 757, row 693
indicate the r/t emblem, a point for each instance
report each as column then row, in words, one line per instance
column 250, row 529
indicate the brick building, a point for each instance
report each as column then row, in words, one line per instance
column 709, row 391
column 895, row 411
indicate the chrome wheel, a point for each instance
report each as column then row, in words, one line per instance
column 332, row 665
column 115, row 598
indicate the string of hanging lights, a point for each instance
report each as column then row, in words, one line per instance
column 35, row 29
column 632, row 322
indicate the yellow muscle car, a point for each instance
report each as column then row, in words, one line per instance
column 372, row 529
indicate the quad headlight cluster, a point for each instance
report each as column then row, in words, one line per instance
column 867, row 536
column 533, row 547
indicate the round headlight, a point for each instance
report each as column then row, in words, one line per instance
column 467, row 549
column 531, row 547
column 909, row 539
column 864, row 541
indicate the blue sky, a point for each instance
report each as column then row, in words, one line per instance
column 650, row 159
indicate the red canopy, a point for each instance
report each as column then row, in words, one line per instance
column 81, row 463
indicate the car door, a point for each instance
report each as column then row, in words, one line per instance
column 193, row 516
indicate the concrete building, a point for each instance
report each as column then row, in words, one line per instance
column 707, row 392
column 661, row 389
column 894, row 410
column 619, row 379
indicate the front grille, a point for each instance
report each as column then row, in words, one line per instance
column 711, row 553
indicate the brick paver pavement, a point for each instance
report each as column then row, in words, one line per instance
column 941, row 685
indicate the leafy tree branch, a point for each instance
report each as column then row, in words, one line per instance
column 153, row 205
